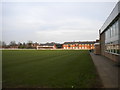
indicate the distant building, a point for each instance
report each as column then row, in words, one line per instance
column 110, row 35
column 34, row 45
column 79, row 45
column 13, row 47
column 47, row 46
column 59, row 46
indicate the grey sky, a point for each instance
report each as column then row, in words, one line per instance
column 53, row 21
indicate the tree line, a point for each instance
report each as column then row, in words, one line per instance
column 13, row 44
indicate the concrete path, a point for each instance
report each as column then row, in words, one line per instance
column 107, row 70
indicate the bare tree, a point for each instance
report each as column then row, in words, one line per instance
column 24, row 44
column 0, row 43
column 12, row 43
column 29, row 44
column 3, row 44
column 19, row 44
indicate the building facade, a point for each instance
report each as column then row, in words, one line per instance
column 46, row 46
column 110, row 35
column 79, row 45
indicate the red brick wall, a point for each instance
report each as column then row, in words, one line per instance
column 79, row 46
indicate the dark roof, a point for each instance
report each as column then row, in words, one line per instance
column 87, row 42
column 47, row 44
column 59, row 45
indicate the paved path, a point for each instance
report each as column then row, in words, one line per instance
column 107, row 70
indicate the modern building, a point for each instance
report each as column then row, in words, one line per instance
column 79, row 45
column 110, row 35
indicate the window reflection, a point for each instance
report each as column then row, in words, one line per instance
column 111, row 39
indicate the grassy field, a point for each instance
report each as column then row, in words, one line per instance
column 49, row 69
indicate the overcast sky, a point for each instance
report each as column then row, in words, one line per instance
column 53, row 21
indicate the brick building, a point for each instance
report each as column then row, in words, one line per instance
column 47, row 46
column 79, row 45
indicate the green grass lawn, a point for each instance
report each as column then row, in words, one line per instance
column 49, row 69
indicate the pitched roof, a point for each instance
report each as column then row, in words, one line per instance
column 47, row 44
column 85, row 42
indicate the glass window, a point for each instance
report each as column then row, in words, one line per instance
column 111, row 44
column 113, row 29
column 110, row 31
column 114, row 49
column 106, row 35
column 108, row 47
column 116, row 28
column 118, row 50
